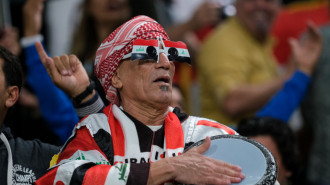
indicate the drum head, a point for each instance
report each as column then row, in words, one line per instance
column 256, row 161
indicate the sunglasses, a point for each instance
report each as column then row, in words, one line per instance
column 150, row 50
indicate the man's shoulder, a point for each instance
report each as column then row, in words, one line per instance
column 94, row 117
column 6, row 131
column 23, row 152
column 94, row 122
column 19, row 145
column 198, row 128
column 205, row 123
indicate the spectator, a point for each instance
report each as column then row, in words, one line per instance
column 287, row 99
column 141, row 106
column 281, row 107
column 237, row 71
column 41, row 106
column 56, row 107
column 22, row 162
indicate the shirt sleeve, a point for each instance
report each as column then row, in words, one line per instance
column 94, row 105
column 55, row 105
column 285, row 102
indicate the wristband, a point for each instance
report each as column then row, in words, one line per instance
column 89, row 90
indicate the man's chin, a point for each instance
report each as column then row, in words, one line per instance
column 164, row 88
column 164, row 98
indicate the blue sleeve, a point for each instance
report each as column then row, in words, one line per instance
column 56, row 107
column 286, row 101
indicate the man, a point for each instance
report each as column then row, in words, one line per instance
column 137, row 139
column 21, row 161
column 54, row 105
column 282, row 105
column 47, row 108
column 237, row 71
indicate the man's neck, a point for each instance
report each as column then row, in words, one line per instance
column 146, row 114
column 261, row 36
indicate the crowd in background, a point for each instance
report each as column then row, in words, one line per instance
column 240, row 69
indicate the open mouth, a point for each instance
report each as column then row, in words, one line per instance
column 163, row 79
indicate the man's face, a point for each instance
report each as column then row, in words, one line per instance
column 146, row 81
column 257, row 15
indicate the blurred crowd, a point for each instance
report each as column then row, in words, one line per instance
column 258, row 66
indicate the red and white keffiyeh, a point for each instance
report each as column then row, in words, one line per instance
column 120, row 43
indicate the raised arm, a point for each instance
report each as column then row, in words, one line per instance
column 56, row 107
column 306, row 53
column 304, row 58
column 68, row 73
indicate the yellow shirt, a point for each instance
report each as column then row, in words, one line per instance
column 230, row 57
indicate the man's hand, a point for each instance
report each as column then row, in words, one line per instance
column 194, row 168
column 306, row 52
column 67, row 72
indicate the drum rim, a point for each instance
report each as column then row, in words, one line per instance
column 270, row 175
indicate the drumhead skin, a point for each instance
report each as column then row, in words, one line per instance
column 256, row 161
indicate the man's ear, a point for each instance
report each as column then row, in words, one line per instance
column 116, row 82
column 11, row 96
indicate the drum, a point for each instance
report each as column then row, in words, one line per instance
column 256, row 161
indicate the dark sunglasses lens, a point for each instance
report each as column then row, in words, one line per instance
column 172, row 54
column 152, row 52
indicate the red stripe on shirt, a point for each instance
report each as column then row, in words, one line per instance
column 118, row 139
column 100, row 171
column 173, row 132
column 83, row 141
column 216, row 125
column 48, row 178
